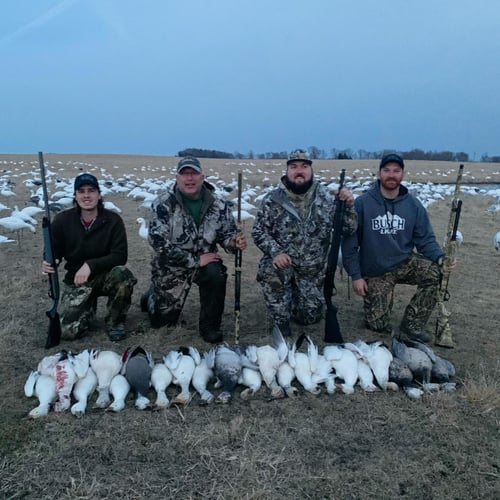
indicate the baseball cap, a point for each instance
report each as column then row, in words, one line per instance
column 300, row 155
column 86, row 179
column 189, row 161
column 391, row 158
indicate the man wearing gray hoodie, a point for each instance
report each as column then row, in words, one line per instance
column 394, row 244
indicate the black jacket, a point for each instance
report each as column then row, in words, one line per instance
column 102, row 247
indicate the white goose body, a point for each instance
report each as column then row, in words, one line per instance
column 182, row 367
column 106, row 365
column 161, row 378
column 44, row 388
column 345, row 364
column 203, row 373
column 83, row 389
column 119, row 389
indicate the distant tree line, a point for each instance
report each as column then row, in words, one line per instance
column 338, row 154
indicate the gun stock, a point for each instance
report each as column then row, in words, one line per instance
column 54, row 331
column 332, row 327
column 443, row 336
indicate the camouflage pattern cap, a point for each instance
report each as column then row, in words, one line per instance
column 300, row 155
column 189, row 161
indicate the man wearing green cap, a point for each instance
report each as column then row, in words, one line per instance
column 188, row 224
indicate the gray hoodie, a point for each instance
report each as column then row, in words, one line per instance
column 388, row 232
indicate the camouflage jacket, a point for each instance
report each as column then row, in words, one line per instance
column 173, row 233
column 304, row 236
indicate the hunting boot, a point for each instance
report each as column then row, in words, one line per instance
column 408, row 332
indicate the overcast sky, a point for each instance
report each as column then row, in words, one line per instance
column 158, row 76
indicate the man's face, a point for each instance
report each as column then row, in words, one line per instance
column 189, row 182
column 299, row 172
column 391, row 176
column 87, row 197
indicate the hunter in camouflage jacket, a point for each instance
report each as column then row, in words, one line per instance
column 178, row 241
column 300, row 226
column 173, row 234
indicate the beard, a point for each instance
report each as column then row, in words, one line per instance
column 297, row 188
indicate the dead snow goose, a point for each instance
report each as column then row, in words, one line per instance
column 301, row 365
column 83, row 389
column 119, row 389
column 182, row 366
column 106, row 364
column 161, row 378
column 44, row 388
column 345, row 364
column 203, row 373
column 137, row 367
column 417, row 361
column 228, row 366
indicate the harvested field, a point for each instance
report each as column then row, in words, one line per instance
column 380, row 445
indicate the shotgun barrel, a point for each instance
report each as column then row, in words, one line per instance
column 54, row 331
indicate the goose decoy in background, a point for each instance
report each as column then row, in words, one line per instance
column 143, row 228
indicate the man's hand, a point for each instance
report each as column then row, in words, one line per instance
column 282, row 261
column 360, row 287
column 240, row 241
column 82, row 275
column 345, row 195
column 47, row 268
column 208, row 258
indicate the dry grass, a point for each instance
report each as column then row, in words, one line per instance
column 481, row 388
column 360, row 446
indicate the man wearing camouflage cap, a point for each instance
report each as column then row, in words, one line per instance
column 188, row 223
column 292, row 229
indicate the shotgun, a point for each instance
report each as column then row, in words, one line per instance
column 54, row 332
column 237, row 271
column 332, row 327
column 443, row 335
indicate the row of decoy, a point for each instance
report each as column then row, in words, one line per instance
column 64, row 377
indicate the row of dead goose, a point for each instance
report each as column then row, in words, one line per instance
column 66, row 381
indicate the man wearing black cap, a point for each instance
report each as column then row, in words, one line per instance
column 394, row 244
column 188, row 223
column 93, row 242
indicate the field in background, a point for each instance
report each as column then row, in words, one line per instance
column 360, row 446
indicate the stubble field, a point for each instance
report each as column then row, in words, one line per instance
column 380, row 445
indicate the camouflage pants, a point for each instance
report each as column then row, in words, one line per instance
column 79, row 303
column 378, row 302
column 170, row 287
column 292, row 293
